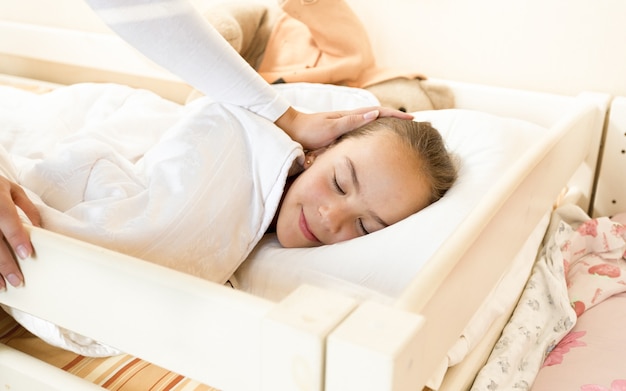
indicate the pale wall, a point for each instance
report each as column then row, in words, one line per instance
column 562, row 46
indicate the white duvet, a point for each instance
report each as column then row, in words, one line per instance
column 190, row 187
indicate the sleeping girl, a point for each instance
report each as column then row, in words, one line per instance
column 370, row 178
column 195, row 187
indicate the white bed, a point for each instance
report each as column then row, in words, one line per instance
column 610, row 197
column 334, row 331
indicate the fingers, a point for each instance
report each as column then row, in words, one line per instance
column 317, row 130
column 12, row 232
column 374, row 112
column 350, row 120
column 25, row 204
column 371, row 115
column 354, row 120
column 11, row 227
column 9, row 269
column 388, row 112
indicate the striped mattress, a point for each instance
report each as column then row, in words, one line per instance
column 123, row 372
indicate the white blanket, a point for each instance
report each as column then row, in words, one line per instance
column 190, row 187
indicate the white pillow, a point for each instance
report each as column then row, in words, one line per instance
column 379, row 266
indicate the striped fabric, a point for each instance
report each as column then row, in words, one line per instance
column 123, row 373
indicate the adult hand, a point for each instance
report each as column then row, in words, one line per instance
column 318, row 130
column 13, row 235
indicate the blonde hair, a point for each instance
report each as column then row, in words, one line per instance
column 438, row 165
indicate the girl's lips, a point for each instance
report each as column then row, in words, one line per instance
column 304, row 227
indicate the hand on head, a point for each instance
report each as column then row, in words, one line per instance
column 14, row 235
column 318, row 130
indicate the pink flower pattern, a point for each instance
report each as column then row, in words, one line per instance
column 593, row 264
column 591, row 260
column 569, row 341
column 616, row 385
column 589, row 227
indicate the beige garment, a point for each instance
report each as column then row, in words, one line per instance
column 322, row 41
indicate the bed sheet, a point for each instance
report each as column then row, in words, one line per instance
column 581, row 265
column 591, row 356
column 480, row 334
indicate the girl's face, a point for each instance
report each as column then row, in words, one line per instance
column 355, row 187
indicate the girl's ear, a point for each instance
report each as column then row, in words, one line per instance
column 310, row 156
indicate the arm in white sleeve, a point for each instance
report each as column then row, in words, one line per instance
column 173, row 34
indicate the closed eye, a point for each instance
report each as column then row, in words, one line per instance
column 337, row 186
column 364, row 231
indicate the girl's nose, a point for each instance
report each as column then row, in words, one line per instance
column 332, row 217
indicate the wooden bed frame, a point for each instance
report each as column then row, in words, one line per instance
column 610, row 197
column 315, row 339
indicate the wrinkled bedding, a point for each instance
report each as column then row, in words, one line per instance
column 580, row 266
column 189, row 187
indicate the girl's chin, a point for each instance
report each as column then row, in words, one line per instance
column 287, row 241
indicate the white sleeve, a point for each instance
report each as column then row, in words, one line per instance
column 173, row 34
